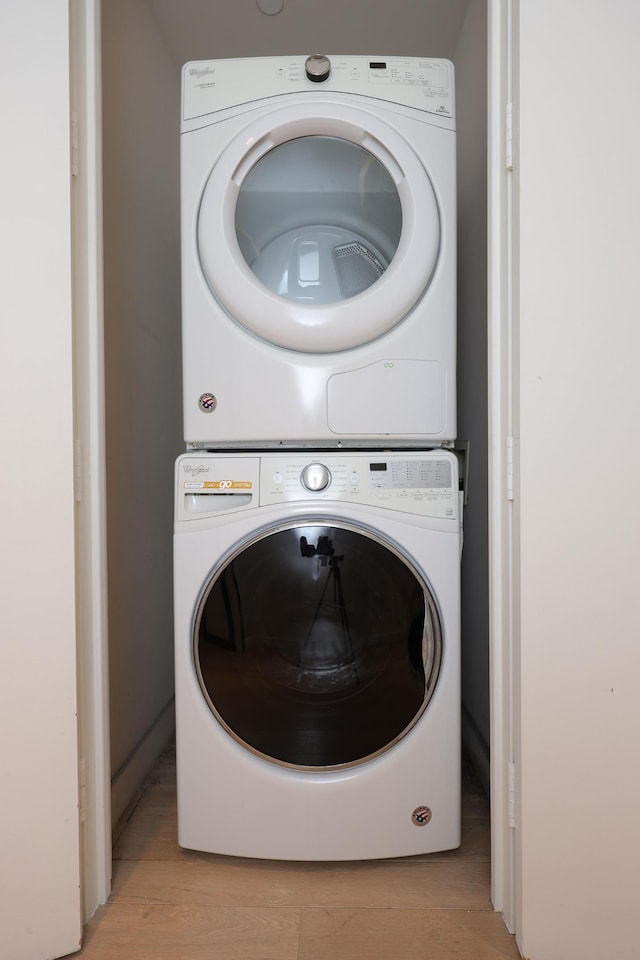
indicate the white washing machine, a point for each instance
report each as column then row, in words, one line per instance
column 319, row 252
column 317, row 638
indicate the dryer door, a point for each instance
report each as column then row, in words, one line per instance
column 317, row 645
column 319, row 228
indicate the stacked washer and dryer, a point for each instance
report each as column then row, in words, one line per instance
column 317, row 510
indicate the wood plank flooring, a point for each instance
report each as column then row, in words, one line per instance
column 173, row 904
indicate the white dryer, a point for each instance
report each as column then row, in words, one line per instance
column 319, row 252
column 317, row 650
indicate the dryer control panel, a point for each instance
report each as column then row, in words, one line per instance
column 212, row 85
column 420, row 483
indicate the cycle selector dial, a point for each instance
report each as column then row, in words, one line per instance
column 315, row 477
column 317, row 68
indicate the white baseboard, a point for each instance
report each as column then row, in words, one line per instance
column 131, row 775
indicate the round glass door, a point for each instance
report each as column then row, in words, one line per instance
column 318, row 219
column 317, row 646
column 318, row 228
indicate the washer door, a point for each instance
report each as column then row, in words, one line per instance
column 318, row 229
column 317, row 646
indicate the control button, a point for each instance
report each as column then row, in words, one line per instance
column 280, row 73
column 317, row 68
column 355, row 477
column 277, row 477
column 315, row 477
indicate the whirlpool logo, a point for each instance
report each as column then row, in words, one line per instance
column 195, row 470
column 200, row 72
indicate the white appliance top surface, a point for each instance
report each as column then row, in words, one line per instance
column 420, row 483
column 212, row 85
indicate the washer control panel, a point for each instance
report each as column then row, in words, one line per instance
column 422, row 483
column 212, row 85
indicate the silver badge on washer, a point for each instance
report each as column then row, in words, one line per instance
column 207, row 402
column 421, row 816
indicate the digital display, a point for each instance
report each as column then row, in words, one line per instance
column 377, row 66
column 377, row 466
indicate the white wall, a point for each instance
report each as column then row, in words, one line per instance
column 194, row 30
column 39, row 830
column 579, row 244
column 471, row 99
column 143, row 370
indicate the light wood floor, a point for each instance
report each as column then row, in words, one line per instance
column 173, row 904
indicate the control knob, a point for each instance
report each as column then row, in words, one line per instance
column 315, row 477
column 317, row 68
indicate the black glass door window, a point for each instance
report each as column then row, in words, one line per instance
column 317, row 645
